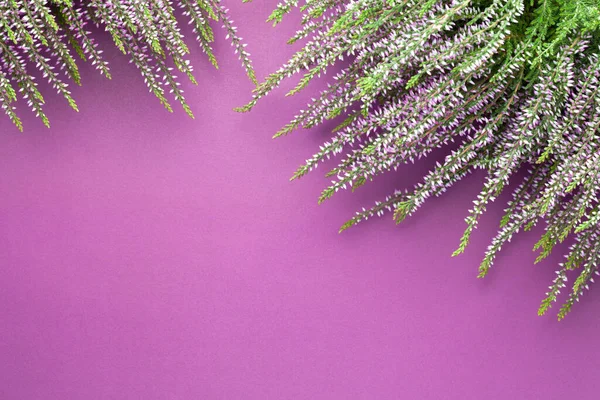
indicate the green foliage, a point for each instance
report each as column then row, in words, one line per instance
column 50, row 34
column 516, row 83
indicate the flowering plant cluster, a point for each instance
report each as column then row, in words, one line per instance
column 50, row 34
column 515, row 83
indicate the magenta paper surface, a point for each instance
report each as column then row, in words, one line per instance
column 145, row 255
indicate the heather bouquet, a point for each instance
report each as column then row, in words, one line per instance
column 514, row 84
column 51, row 35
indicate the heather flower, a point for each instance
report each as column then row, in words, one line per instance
column 515, row 83
column 50, row 34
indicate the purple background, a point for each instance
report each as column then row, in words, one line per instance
column 150, row 256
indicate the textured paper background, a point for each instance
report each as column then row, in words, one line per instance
column 149, row 256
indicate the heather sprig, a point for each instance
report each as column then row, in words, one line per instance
column 515, row 83
column 48, row 35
